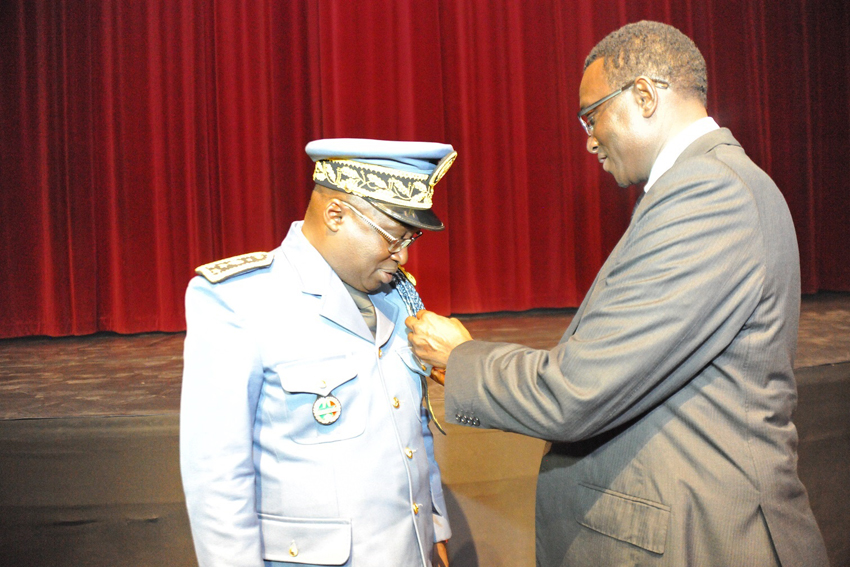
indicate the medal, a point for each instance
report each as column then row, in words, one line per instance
column 326, row 409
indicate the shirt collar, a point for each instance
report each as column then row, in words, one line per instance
column 674, row 148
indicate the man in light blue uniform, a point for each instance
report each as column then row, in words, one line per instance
column 303, row 437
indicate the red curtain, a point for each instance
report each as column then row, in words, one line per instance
column 140, row 139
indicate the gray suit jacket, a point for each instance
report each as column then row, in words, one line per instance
column 669, row 398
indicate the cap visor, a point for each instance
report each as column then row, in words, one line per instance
column 419, row 218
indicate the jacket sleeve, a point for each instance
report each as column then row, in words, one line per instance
column 674, row 293
column 222, row 377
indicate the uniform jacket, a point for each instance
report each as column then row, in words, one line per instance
column 263, row 479
column 669, row 397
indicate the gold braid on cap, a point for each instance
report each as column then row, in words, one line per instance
column 394, row 186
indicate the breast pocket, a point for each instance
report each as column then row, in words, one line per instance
column 638, row 521
column 306, row 381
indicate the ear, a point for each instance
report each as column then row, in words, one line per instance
column 646, row 95
column 332, row 215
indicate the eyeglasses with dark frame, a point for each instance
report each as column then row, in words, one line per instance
column 393, row 244
column 585, row 112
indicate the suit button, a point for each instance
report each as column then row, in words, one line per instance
column 475, row 422
column 415, row 508
column 293, row 550
column 396, row 403
column 409, row 452
column 380, row 353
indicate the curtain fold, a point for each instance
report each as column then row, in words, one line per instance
column 139, row 140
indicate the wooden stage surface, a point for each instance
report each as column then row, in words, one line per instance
column 123, row 375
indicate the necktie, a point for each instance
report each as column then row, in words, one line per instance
column 364, row 304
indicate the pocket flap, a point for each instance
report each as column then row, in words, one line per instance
column 412, row 361
column 317, row 376
column 638, row 521
column 305, row 540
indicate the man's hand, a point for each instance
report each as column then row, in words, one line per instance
column 438, row 375
column 434, row 337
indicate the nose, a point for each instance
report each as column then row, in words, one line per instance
column 400, row 256
column 592, row 144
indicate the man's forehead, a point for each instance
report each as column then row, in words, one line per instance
column 593, row 82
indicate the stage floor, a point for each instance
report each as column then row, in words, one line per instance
column 89, row 471
column 124, row 375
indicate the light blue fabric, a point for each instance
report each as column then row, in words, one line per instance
column 416, row 157
column 259, row 472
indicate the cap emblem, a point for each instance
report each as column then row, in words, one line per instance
column 441, row 169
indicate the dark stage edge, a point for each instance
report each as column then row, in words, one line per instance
column 89, row 471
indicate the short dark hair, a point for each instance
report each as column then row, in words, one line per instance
column 655, row 50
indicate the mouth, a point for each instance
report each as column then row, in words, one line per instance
column 387, row 274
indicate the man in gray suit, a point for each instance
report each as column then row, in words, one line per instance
column 669, row 398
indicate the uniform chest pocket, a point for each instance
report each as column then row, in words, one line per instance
column 304, row 382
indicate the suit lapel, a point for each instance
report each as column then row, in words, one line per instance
column 339, row 307
column 386, row 313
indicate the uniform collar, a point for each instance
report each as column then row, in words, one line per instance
column 318, row 279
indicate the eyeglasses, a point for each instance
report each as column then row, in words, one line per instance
column 393, row 244
column 585, row 112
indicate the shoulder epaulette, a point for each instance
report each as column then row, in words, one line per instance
column 221, row 270
column 407, row 275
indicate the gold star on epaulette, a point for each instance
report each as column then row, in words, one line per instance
column 221, row 270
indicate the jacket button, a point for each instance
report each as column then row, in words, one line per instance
column 293, row 550
column 476, row 422
column 380, row 353
column 396, row 403
column 415, row 508
column 409, row 452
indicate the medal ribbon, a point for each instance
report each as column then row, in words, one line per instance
column 414, row 304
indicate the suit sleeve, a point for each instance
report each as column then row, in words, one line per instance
column 222, row 377
column 673, row 294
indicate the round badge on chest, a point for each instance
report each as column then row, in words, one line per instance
column 326, row 409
